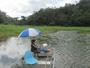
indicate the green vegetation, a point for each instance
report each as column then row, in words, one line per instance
column 13, row 30
column 70, row 15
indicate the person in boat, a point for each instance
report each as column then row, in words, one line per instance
column 34, row 47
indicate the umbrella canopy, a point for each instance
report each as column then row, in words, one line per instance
column 30, row 32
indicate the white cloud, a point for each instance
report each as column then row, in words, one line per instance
column 13, row 7
column 19, row 8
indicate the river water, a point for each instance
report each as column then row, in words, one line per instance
column 72, row 49
column 12, row 50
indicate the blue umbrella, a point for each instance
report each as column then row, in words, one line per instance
column 30, row 32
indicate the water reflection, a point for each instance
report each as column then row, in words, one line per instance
column 72, row 49
column 12, row 50
column 6, row 60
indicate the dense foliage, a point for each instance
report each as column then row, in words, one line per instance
column 70, row 15
column 5, row 19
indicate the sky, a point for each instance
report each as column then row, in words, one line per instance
column 17, row 8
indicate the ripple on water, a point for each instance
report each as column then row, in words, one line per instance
column 72, row 49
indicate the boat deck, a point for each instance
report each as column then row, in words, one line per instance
column 37, row 66
column 45, row 60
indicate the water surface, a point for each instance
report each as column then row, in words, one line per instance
column 72, row 49
column 12, row 50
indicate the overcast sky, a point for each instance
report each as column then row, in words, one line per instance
column 17, row 8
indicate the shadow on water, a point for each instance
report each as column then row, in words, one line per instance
column 72, row 49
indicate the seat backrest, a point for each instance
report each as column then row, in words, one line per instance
column 29, row 58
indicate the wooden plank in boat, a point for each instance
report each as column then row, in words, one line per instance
column 37, row 66
column 49, row 54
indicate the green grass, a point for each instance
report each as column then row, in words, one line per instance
column 13, row 30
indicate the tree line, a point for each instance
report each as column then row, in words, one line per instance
column 69, row 15
column 5, row 19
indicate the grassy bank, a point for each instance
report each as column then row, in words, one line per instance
column 13, row 30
